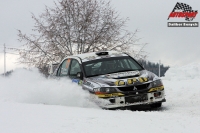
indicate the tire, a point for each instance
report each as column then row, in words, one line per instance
column 156, row 105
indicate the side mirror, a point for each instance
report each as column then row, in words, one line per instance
column 79, row 75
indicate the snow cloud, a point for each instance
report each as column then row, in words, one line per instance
column 29, row 86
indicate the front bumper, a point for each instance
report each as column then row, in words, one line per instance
column 138, row 99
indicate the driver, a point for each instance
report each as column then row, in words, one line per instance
column 109, row 66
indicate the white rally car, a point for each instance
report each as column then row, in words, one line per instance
column 113, row 76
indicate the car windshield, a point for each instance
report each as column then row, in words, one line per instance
column 110, row 65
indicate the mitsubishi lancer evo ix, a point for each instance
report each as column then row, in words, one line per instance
column 113, row 76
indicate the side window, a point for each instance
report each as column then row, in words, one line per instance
column 63, row 70
column 75, row 68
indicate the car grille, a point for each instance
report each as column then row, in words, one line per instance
column 138, row 98
column 131, row 88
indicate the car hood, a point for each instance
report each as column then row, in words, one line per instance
column 121, row 79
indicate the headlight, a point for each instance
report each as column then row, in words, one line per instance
column 157, row 83
column 105, row 90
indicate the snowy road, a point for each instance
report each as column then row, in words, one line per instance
column 35, row 118
column 26, row 107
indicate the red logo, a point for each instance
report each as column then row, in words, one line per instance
column 182, row 10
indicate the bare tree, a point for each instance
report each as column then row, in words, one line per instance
column 75, row 27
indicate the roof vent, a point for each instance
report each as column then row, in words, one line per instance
column 101, row 53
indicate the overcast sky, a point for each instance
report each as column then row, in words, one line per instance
column 173, row 46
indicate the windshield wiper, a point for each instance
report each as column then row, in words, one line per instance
column 95, row 75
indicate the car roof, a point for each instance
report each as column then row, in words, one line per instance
column 93, row 54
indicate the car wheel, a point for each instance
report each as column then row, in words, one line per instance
column 156, row 105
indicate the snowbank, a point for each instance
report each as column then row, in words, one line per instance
column 186, row 72
column 29, row 86
column 182, row 89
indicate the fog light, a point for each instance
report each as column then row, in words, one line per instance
column 112, row 100
column 157, row 94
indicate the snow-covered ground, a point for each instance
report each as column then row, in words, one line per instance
column 29, row 103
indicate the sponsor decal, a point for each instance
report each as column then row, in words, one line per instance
column 119, row 83
column 123, row 74
column 80, row 82
column 143, row 79
column 182, row 10
column 75, row 80
column 131, row 81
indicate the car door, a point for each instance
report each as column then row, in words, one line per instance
column 64, row 68
column 74, row 68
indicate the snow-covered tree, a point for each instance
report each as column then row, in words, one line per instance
column 75, row 27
